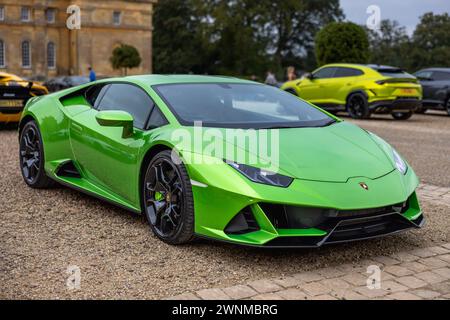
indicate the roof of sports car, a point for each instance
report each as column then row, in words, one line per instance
column 155, row 79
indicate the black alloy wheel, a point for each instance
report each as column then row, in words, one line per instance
column 31, row 157
column 168, row 200
column 357, row 106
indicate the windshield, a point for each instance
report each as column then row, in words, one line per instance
column 229, row 105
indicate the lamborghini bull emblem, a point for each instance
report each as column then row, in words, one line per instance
column 364, row 186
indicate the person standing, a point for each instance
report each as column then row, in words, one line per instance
column 271, row 80
column 92, row 75
column 291, row 73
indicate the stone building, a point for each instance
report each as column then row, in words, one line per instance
column 36, row 42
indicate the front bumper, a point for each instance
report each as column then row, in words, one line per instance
column 262, row 225
column 355, row 225
column 217, row 210
column 397, row 105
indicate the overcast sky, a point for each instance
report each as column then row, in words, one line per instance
column 406, row 12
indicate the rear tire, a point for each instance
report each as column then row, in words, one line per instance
column 31, row 157
column 402, row 115
column 168, row 200
column 358, row 106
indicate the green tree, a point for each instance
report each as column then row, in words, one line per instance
column 431, row 41
column 342, row 42
column 125, row 57
column 390, row 45
column 292, row 25
column 241, row 38
column 233, row 35
column 177, row 37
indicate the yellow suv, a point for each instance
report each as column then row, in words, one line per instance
column 360, row 90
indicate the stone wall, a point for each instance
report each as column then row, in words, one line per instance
column 76, row 50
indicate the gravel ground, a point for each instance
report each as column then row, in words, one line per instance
column 43, row 232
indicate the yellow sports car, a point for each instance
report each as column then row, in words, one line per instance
column 14, row 93
column 360, row 90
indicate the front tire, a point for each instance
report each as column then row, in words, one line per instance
column 168, row 200
column 31, row 157
column 402, row 115
column 358, row 106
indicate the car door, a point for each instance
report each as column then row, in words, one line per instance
column 426, row 80
column 440, row 86
column 106, row 159
column 314, row 89
column 345, row 81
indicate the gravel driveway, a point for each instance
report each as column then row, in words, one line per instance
column 43, row 232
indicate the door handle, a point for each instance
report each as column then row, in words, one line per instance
column 77, row 128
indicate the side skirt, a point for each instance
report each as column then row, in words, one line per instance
column 73, row 185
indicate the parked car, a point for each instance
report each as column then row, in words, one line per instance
column 65, row 82
column 436, row 89
column 360, row 90
column 14, row 94
column 118, row 139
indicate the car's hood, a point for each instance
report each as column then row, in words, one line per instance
column 334, row 153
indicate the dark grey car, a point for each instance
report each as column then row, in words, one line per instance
column 436, row 88
column 64, row 82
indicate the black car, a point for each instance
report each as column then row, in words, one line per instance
column 60, row 83
column 436, row 88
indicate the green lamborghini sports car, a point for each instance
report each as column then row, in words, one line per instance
column 220, row 158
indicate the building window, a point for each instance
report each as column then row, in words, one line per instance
column 51, row 55
column 2, row 13
column 26, row 54
column 25, row 14
column 2, row 54
column 117, row 18
column 50, row 15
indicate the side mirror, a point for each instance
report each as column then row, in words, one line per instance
column 116, row 118
column 308, row 76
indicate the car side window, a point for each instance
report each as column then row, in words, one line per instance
column 347, row 72
column 441, row 75
column 325, row 73
column 424, row 75
column 157, row 119
column 93, row 94
column 129, row 98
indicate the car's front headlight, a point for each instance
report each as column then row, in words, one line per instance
column 400, row 164
column 262, row 176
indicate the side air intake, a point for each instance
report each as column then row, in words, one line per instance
column 68, row 169
column 243, row 222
